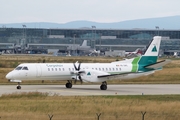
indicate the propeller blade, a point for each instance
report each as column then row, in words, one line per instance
column 75, row 66
column 80, row 79
column 77, row 72
column 79, row 66
column 75, row 81
column 81, row 72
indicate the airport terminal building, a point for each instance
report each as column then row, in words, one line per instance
column 36, row 40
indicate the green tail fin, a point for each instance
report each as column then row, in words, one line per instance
column 150, row 56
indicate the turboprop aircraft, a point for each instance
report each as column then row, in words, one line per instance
column 91, row 72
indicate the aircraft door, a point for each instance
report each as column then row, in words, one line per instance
column 38, row 71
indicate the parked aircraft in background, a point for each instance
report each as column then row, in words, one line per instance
column 91, row 72
column 135, row 53
column 94, row 52
column 83, row 49
column 175, row 54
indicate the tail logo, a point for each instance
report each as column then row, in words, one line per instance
column 154, row 49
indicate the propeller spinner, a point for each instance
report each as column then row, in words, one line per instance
column 77, row 72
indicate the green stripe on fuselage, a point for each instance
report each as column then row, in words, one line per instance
column 135, row 64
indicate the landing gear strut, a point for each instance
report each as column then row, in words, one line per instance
column 18, row 86
column 103, row 85
column 69, row 84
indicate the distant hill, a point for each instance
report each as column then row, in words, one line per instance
column 172, row 22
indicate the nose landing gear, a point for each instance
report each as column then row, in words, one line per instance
column 16, row 81
column 18, row 86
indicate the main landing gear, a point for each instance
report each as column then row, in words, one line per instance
column 103, row 85
column 69, row 84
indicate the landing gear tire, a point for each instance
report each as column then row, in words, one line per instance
column 18, row 87
column 103, row 87
column 68, row 85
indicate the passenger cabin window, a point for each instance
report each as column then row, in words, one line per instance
column 18, row 68
column 25, row 68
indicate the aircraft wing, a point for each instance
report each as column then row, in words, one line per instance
column 126, row 75
column 121, row 74
column 158, row 64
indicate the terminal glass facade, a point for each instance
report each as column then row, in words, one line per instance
column 97, row 38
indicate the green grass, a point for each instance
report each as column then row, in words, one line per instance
column 163, row 98
column 35, row 105
column 28, row 95
column 31, row 95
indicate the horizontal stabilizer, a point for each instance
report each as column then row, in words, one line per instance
column 158, row 64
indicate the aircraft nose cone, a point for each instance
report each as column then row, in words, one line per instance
column 9, row 76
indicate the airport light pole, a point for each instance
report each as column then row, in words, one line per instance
column 100, row 43
column 24, row 38
column 74, row 44
column 94, row 27
column 24, row 31
column 157, row 28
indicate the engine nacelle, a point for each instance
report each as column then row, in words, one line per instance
column 92, row 75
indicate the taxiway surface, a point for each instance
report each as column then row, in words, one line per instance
column 79, row 90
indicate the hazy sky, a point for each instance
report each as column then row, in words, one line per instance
column 62, row 11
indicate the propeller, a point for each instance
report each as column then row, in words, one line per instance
column 78, row 72
column 77, row 69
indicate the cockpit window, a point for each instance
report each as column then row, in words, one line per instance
column 18, row 68
column 25, row 68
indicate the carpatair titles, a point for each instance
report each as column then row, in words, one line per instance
column 54, row 65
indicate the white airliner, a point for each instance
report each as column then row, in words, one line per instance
column 91, row 72
column 137, row 52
